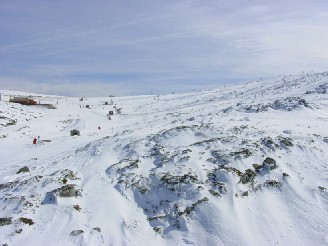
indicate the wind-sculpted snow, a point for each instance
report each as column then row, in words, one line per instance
column 240, row 165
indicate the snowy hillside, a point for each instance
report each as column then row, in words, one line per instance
column 240, row 165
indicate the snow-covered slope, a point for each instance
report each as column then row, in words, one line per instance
column 240, row 165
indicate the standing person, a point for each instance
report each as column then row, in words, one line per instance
column 34, row 141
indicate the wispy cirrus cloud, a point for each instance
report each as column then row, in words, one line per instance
column 146, row 46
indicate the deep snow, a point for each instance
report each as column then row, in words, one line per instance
column 171, row 169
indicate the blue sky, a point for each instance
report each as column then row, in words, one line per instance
column 97, row 48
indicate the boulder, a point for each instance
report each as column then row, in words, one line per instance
column 5, row 221
column 23, row 170
column 76, row 233
column 248, row 176
column 270, row 163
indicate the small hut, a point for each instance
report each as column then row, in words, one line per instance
column 75, row 132
column 87, row 106
column 22, row 100
column 111, row 113
column 106, row 103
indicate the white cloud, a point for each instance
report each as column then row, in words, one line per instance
column 128, row 45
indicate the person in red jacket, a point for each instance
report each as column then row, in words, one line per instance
column 34, row 141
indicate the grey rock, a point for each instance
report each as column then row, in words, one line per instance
column 23, row 170
column 270, row 163
column 67, row 191
column 76, row 233
column 245, row 193
column 5, row 221
column 273, row 183
column 322, row 188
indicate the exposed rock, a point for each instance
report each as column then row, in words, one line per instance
column 269, row 143
column 169, row 179
column 157, row 229
column 285, row 175
column 97, row 229
column 77, row 207
column 76, row 233
column 257, row 167
column 270, row 163
column 244, row 153
column 273, row 183
column 248, row 176
column 5, row 221
column 26, row 221
column 286, row 141
column 188, row 210
column 19, row 231
column 245, row 193
column 23, row 170
column 322, row 188
column 67, row 191
column 214, row 193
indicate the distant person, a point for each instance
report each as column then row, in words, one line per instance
column 99, row 128
column 34, row 141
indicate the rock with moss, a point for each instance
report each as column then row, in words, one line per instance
column 248, row 176
column 23, row 170
column 270, row 163
column 26, row 221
